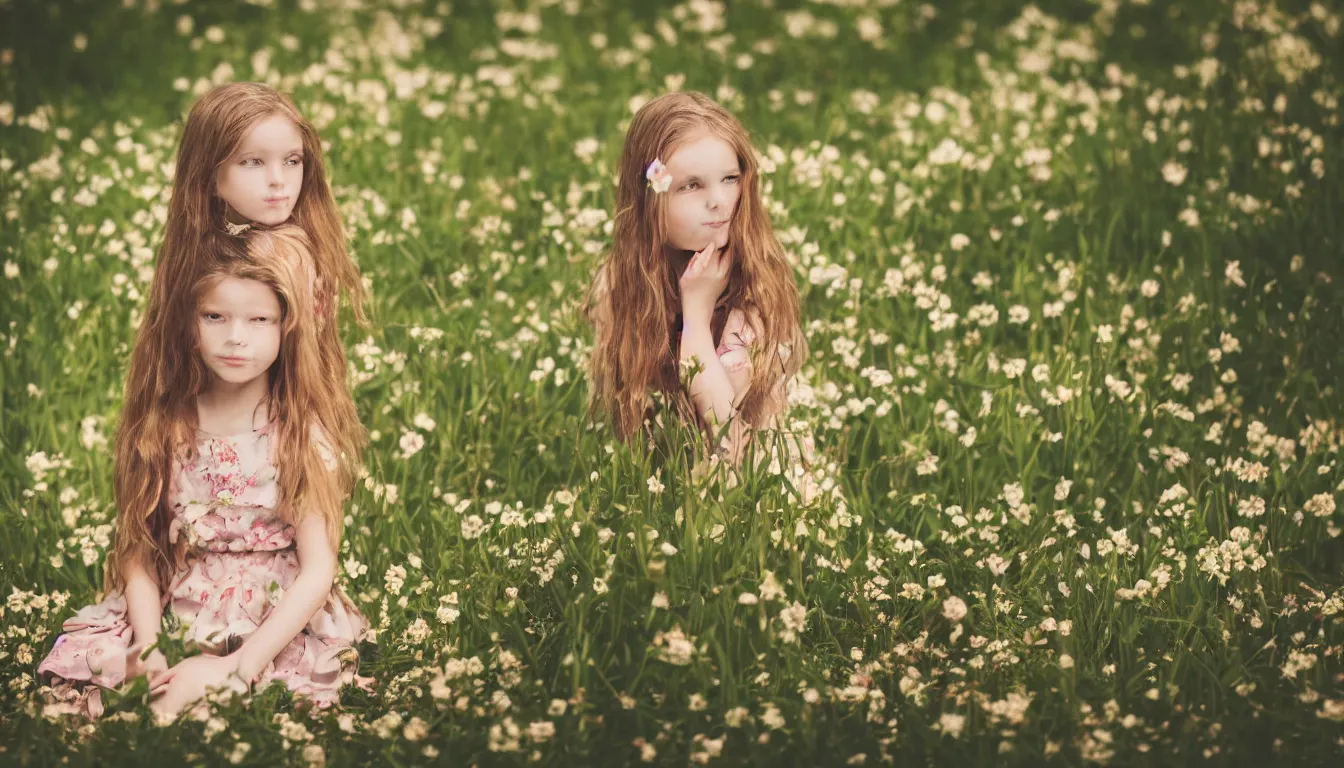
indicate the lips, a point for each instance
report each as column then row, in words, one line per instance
column 717, row 224
column 275, row 200
column 233, row 360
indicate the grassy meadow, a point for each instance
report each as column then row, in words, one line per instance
column 1072, row 277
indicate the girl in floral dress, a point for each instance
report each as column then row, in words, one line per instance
column 248, row 159
column 696, row 277
column 229, row 504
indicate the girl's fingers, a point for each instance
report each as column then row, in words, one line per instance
column 714, row 256
column 707, row 260
column 707, row 254
column 721, row 263
column 698, row 261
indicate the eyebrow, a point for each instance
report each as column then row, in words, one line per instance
column 733, row 172
column 295, row 151
column 249, row 312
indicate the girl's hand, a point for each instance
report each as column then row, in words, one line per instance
column 192, row 679
column 703, row 282
column 152, row 666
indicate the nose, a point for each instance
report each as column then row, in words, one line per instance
column 275, row 176
column 237, row 334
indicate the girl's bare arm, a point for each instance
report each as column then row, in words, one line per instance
column 144, row 604
column 308, row 593
column 711, row 389
column 729, row 377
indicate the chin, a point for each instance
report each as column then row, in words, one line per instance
column 233, row 376
column 272, row 218
column 693, row 246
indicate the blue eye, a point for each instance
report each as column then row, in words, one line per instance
column 732, row 179
column 247, row 162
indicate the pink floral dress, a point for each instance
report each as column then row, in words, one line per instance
column 241, row 557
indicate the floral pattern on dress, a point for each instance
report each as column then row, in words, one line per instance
column 735, row 344
column 241, row 557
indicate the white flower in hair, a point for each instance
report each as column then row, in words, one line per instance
column 660, row 179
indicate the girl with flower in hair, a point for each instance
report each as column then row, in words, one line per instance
column 695, row 273
column 230, row 521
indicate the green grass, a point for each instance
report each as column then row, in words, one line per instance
column 473, row 224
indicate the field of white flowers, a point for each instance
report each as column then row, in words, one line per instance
column 1072, row 281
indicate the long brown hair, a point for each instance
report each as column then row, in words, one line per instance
column 633, row 301
column 193, row 244
column 307, row 407
column 215, row 128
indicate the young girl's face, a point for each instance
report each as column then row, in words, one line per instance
column 238, row 326
column 704, row 192
column 262, row 180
